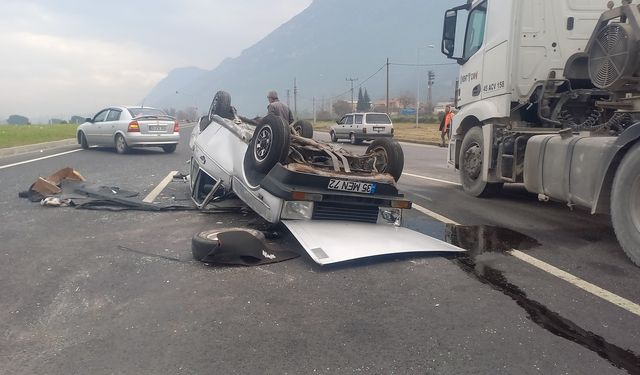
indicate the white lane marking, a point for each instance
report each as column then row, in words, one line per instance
column 580, row 283
column 158, row 189
column 434, row 215
column 552, row 270
column 38, row 159
column 431, row 179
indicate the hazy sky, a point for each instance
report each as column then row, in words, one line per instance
column 65, row 57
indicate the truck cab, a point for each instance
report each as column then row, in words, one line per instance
column 548, row 96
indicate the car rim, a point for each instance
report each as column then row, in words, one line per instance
column 120, row 143
column 473, row 161
column 635, row 203
column 381, row 160
column 353, row 138
column 298, row 130
column 263, row 143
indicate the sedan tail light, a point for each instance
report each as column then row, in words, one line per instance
column 176, row 126
column 133, row 127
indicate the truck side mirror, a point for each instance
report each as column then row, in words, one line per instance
column 449, row 33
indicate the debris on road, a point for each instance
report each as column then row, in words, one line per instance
column 236, row 246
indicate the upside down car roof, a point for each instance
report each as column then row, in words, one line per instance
column 338, row 241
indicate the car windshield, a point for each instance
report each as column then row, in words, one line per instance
column 378, row 118
column 142, row 112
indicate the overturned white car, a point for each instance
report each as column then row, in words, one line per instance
column 315, row 188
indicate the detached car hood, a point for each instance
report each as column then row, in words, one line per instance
column 338, row 241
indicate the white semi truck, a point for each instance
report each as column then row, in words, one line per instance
column 549, row 96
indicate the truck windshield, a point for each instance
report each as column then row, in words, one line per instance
column 475, row 30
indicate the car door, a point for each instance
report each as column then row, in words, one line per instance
column 339, row 129
column 111, row 125
column 357, row 124
column 93, row 131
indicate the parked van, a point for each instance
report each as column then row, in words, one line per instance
column 358, row 127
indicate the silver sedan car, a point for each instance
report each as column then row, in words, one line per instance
column 127, row 127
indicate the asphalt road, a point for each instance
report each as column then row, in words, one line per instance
column 75, row 300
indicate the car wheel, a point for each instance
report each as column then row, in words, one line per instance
column 169, row 148
column 471, row 164
column 206, row 247
column 269, row 144
column 121, row 145
column 221, row 105
column 389, row 156
column 352, row 139
column 83, row 141
column 303, row 128
column 625, row 204
column 333, row 136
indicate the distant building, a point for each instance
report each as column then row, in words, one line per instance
column 439, row 107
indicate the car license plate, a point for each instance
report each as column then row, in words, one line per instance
column 378, row 128
column 352, row 186
column 157, row 128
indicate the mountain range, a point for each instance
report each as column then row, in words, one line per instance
column 323, row 48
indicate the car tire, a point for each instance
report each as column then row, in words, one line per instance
column 83, row 141
column 221, row 105
column 169, row 148
column 203, row 244
column 121, row 145
column 269, row 144
column 391, row 156
column 625, row 204
column 303, row 128
column 352, row 139
column 334, row 137
column 471, row 164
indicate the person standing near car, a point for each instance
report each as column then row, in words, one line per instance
column 278, row 108
column 445, row 124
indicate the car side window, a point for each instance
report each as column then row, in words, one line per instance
column 358, row 119
column 101, row 116
column 114, row 115
column 343, row 120
column 349, row 120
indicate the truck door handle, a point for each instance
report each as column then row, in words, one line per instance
column 476, row 91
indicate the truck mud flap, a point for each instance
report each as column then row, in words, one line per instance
column 329, row 242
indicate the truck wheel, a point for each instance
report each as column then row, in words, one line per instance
column 625, row 204
column 269, row 145
column 334, row 137
column 303, row 128
column 389, row 156
column 221, row 105
column 471, row 160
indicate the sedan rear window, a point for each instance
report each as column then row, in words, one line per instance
column 140, row 112
column 378, row 118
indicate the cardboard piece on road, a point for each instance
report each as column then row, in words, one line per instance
column 338, row 241
column 50, row 186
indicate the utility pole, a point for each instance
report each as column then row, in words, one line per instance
column 314, row 109
column 431, row 79
column 352, row 80
column 387, row 105
column 295, row 100
column 288, row 96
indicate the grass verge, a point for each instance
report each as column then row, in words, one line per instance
column 20, row 135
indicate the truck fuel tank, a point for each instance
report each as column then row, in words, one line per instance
column 566, row 168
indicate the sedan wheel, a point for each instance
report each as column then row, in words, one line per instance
column 121, row 145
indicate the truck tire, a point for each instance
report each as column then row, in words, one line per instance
column 269, row 144
column 625, row 204
column 391, row 158
column 471, row 160
column 303, row 128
